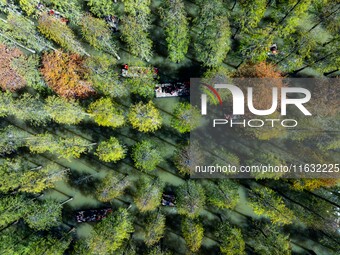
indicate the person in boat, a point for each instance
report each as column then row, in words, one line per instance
column 169, row 197
column 167, row 203
column 108, row 18
column 273, row 49
column 66, row 21
column 57, row 14
column 168, row 200
column 40, row 6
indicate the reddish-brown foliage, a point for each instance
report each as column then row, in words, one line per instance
column 264, row 77
column 9, row 77
column 65, row 74
column 259, row 70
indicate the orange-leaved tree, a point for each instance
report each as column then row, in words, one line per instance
column 262, row 77
column 10, row 79
column 258, row 70
column 66, row 75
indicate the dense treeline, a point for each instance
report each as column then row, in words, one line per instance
column 63, row 102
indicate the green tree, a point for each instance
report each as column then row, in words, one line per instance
column 217, row 75
column 29, row 108
column 223, row 157
column 145, row 117
column 60, row 33
column 96, row 33
column 267, row 159
column 107, row 113
column 16, row 241
column 10, row 241
column 288, row 16
column 146, row 155
column 19, row 176
column 112, row 186
column 72, row 147
column 104, row 77
column 269, row 241
column 187, row 157
column 28, row 68
column 271, row 131
column 223, row 194
column 11, row 138
column 143, row 85
column 24, row 31
column 135, row 27
column 193, row 233
column 149, row 194
column 266, row 203
column 136, row 37
column 29, row 6
column 134, row 7
column 110, row 233
column 64, row 111
column 248, row 15
column 101, row 8
column 324, row 57
column 68, row 147
column 70, row 9
column 158, row 251
column 175, row 23
column 154, row 228
column 110, row 150
column 213, row 34
column 298, row 49
column 325, row 14
column 185, row 117
column 231, row 238
column 48, row 245
column 190, row 199
column 41, row 143
column 44, row 214
column 12, row 208
column 6, row 99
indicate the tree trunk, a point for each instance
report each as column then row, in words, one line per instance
column 236, row 32
column 11, row 224
column 19, row 44
column 284, row 18
column 328, row 73
column 240, row 63
column 268, row 3
column 66, row 201
column 318, row 60
column 324, row 199
column 232, row 8
column 321, row 20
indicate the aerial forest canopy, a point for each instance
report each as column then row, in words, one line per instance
column 95, row 124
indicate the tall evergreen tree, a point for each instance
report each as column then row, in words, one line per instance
column 175, row 23
column 212, row 42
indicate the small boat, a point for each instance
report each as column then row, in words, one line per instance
column 138, row 71
column 112, row 21
column 176, row 89
column 168, row 200
column 92, row 215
